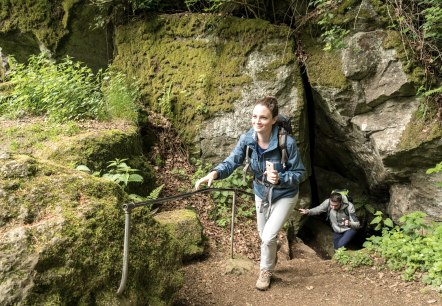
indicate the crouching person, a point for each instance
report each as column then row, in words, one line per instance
column 342, row 216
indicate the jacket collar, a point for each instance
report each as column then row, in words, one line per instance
column 252, row 138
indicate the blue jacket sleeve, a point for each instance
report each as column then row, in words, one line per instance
column 235, row 159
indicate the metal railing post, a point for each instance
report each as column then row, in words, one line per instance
column 127, row 211
column 232, row 224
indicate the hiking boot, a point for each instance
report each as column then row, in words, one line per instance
column 263, row 282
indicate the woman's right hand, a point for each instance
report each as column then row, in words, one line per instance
column 209, row 178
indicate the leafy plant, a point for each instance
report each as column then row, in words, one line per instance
column 64, row 91
column 414, row 247
column 165, row 102
column 117, row 171
column 420, row 25
column 120, row 97
column 68, row 91
column 352, row 259
column 221, row 212
column 436, row 169
column 224, row 199
column 154, row 194
column 331, row 34
column 121, row 173
column 380, row 222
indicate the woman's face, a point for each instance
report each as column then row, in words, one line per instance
column 262, row 119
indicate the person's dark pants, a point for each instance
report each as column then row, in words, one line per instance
column 342, row 239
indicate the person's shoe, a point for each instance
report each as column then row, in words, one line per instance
column 263, row 282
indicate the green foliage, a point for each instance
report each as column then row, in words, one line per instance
column 352, row 259
column 117, row 171
column 221, row 213
column 124, row 4
column 436, row 169
column 432, row 25
column 64, row 91
column 120, row 96
column 165, row 102
column 414, row 247
column 121, row 173
column 420, row 25
column 224, row 200
column 144, row 4
column 68, row 91
column 331, row 34
column 380, row 222
column 154, row 194
column 255, row 8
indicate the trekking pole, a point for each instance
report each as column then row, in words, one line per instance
column 128, row 209
column 232, row 224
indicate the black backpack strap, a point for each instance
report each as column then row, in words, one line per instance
column 328, row 211
column 282, row 144
column 247, row 164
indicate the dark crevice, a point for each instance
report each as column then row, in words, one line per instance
column 310, row 106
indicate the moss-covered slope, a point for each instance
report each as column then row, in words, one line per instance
column 72, row 144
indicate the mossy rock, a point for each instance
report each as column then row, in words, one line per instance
column 62, row 240
column 190, row 66
column 71, row 144
column 43, row 21
column 324, row 68
column 186, row 227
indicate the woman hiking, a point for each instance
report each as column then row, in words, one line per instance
column 276, row 187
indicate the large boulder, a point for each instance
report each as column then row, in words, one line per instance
column 60, row 28
column 420, row 194
column 186, row 227
column 61, row 240
column 90, row 143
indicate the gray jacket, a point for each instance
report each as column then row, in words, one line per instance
column 337, row 217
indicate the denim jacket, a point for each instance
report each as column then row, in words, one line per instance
column 289, row 178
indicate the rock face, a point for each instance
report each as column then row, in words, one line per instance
column 361, row 125
column 61, row 230
column 61, row 29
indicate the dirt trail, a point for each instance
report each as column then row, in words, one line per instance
column 304, row 281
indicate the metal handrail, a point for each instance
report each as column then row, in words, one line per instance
column 128, row 209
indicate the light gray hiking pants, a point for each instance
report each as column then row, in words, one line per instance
column 269, row 225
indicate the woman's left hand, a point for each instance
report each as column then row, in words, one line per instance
column 272, row 177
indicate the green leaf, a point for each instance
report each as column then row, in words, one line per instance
column 83, row 168
column 376, row 220
column 136, row 178
column 388, row 222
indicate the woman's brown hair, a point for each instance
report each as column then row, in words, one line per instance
column 271, row 103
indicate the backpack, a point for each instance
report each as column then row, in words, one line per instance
column 285, row 128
